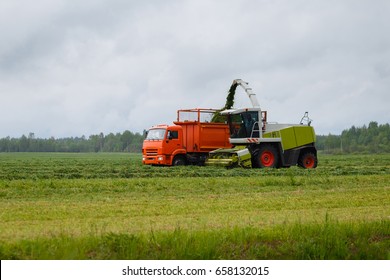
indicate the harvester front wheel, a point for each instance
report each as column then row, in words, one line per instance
column 266, row 156
column 307, row 160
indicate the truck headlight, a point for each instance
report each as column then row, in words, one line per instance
column 160, row 158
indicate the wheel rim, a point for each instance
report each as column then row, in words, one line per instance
column 267, row 158
column 309, row 162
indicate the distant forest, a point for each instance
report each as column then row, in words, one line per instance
column 119, row 142
column 373, row 138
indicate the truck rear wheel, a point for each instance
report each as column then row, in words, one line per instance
column 266, row 156
column 178, row 161
column 307, row 160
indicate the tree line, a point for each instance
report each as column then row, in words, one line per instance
column 119, row 142
column 373, row 138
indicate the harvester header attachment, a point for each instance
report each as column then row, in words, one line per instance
column 237, row 156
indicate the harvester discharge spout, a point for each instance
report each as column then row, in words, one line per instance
column 248, row 90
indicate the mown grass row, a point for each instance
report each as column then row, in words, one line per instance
column 15, row 166
column 322, row 241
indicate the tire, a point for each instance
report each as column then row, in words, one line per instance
column 178, row 161
column 307, row 160
column 266, row 156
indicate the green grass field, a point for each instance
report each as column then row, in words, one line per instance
column 109, row 206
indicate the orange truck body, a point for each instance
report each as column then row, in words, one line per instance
column 187, row 141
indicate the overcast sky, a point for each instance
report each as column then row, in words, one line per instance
column 73, row 68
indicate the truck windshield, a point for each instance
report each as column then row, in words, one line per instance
column 156, row 134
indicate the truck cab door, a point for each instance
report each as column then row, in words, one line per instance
column 172, row 141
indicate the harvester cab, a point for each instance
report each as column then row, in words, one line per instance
column 258, row 143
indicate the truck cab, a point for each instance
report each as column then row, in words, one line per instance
column 162, row 144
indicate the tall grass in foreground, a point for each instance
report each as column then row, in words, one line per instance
column 328, row 240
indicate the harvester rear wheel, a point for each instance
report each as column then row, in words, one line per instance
column 307, row 160
column 266, row 156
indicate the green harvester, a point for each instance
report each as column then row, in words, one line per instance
column 257, row 143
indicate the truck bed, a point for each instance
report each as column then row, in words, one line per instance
column 203, row 137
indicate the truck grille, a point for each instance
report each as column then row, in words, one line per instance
column 151, row 152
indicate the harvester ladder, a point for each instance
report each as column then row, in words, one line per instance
column 255, row 130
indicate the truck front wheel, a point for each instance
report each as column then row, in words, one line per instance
column 178, row 160
column 266, row 156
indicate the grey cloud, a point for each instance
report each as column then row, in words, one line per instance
column 71, row 68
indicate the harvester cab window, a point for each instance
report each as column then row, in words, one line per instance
column 234, row 125
column 251, row 122
column 244, row 125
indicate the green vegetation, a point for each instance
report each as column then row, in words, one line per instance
column 373, row 138
column 109, row 206
column 330, row 240
column 228, row 104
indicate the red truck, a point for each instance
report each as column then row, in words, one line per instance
column 188, row 141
